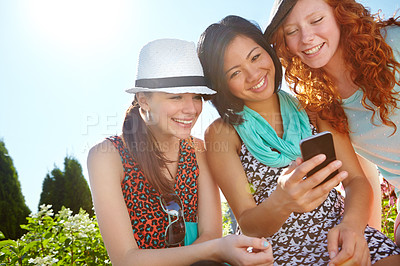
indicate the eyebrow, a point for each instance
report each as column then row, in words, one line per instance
column 307, row 17
column 247, row 57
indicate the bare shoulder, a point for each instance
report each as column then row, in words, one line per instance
column 102, row 149
column 221, row 133
column 199, row 145
column 104, row 157
column 218, row 127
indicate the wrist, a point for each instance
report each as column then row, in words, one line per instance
column 216, row 250
column 356, row 226
column 279, row 205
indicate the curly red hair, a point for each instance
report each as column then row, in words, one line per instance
column 368, row 57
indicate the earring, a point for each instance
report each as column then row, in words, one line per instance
column 148, row 116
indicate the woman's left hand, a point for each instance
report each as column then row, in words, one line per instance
column 353, row 246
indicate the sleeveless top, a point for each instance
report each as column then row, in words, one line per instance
column 148, row 219
column 302, row 239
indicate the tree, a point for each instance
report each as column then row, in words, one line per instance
column 53, row 189
column 68, row 188
column 13, row 209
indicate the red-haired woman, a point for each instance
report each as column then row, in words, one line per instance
column 343, row 63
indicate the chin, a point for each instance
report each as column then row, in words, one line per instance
column 182, row 135
column 315, row 62
column 315, row 65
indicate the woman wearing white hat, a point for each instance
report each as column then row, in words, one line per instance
column 151, row 186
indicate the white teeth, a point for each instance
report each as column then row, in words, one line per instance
column 313, row 50
column 258, row 85
column 187, row 122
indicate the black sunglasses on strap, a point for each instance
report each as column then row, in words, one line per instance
column 176, row 230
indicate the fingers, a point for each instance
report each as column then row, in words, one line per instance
column 303, row 195
column 316, row 179
column 333, row 182
column 262, row 244
column 260, row 254
column 354, row 248
column 366, row 259
column 320, row 192
column 333, row 243
column 303, row 168
column 346, row 253
column 255, row 243
column 263, row 256
column 292, row 167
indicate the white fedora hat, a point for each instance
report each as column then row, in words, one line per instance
column 172, row 66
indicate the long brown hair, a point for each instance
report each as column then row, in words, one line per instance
column 211, row 48
column 144, row 148
column 368, row 57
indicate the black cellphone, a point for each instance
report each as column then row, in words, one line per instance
column 321, row 143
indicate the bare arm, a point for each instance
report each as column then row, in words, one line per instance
column 349, row 234
column 209, row 202
column 293, row 193
column 105, row 174
column 223, row 146
column 357, row 188
column 372, row 174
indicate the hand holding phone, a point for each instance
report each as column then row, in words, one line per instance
column 321, row 143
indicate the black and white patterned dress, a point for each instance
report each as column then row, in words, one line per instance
column 302, row 240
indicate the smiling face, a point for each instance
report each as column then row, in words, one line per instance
column 249, row 70
column 171, row 115
column 312, row 33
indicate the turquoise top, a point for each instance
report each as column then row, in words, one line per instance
column 375, row 142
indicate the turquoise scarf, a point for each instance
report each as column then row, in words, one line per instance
column 259, row 137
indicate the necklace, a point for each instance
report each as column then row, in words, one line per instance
column 169, row 172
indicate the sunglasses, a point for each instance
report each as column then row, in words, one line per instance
column 176, row 230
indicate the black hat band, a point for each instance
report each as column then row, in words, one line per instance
column 186, row 81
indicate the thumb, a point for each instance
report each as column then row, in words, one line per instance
column 261, row 244
column 333, row 243
column 291, row 167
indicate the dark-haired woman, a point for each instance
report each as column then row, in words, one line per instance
column 308, row 222
column 154, row 197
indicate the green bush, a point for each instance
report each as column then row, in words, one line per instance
column 389, row 210
column 227, row 223
column 62, row 240
column 75, row 239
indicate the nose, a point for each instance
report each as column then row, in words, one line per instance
column 307, row 35
column 189, row 106
column 252, row 73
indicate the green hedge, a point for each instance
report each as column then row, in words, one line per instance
column 65, row 239
column 389, row 210
column 69, row 239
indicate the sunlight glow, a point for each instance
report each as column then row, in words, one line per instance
column 77, row 24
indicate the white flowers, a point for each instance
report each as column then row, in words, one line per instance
column 48, row 260
column 45, row 210
column 64, row 238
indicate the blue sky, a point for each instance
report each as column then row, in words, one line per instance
column 64, row 66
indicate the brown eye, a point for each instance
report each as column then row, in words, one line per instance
column 255, row 57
